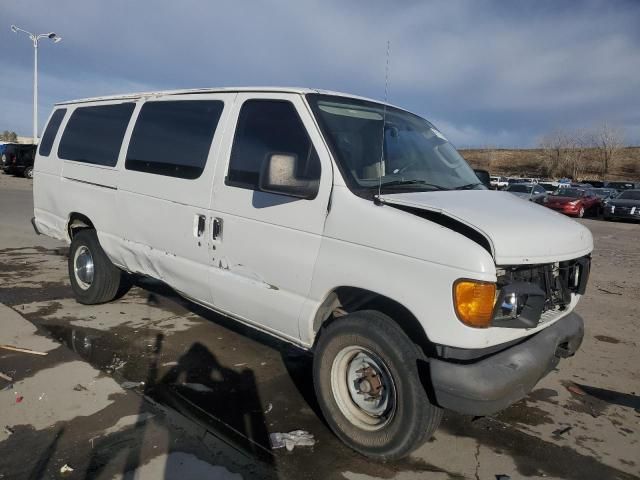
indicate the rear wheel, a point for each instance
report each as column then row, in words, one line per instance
column 581, row 212
column 94, row 279
column 369, row 389
column 28, row 172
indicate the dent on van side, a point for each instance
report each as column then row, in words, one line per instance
column 348, row 227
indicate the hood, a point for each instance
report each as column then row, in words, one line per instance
column 518, row 232
column 621, row 202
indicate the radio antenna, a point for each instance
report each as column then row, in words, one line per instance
column 384, row 119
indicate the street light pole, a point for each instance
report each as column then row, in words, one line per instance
column 35, row 38
column 35, row 90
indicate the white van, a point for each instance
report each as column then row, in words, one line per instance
column 343, row 225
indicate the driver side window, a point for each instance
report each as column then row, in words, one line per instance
column 267, row 127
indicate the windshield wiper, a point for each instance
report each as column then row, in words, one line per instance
column 469, row 186
column 401, row 183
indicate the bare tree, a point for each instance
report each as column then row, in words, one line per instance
column 8, row 136
column 575, row 161
column 555, row 147
column 565, row 153
column 607, row 141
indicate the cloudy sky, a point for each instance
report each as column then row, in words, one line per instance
column 487, row 73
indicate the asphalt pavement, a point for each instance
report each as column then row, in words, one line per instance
column 153, row 386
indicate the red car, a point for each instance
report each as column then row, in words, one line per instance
column 573, row 201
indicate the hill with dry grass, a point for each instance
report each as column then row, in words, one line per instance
column 529, row 162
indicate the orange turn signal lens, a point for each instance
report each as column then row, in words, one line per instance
column 474, row 302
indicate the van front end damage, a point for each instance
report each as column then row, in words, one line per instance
column 529, row 295
column 484, row 381
column 497, row 380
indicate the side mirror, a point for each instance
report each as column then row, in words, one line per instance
column 279, row 175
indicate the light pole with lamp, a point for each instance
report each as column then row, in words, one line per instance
column 35, row 38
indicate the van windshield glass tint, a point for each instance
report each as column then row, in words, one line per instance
column 94, row 134
column 416, row 155
column 173, row 138
column 51, row 131
column 520, row 188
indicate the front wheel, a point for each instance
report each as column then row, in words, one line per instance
column 28, row 172
column 94, row 279
column 368, row 386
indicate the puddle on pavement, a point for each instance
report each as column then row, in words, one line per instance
column 228, row 402
column 200, row 381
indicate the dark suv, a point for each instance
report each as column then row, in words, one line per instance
column 18, row 159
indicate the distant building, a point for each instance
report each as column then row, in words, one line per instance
column 26, row 139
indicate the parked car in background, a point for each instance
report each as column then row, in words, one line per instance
column 3, row 146
column 605, row 193
column 621, row 186
column 528, row 191
column 511, row 181
column 483, row 176
column 549, row 186
column 499, row 183
column 18, row 159
column 595, row 183
column 5, row 149
column 575, row 202
column 626, row 205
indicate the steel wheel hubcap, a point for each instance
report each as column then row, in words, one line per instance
column 83, row 267
column 363, row 388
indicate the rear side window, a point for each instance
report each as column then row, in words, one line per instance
column 94, row 134
column 51, row 131
column 173, row 138
column 266, row 127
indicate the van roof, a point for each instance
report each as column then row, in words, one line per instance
column 130, row 96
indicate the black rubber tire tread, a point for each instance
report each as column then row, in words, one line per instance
column 416, row 418
column 107, row 278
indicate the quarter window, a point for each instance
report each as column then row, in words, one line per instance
column 173, row 138
column 266, row 127
column 94, row 134
column 51, row 131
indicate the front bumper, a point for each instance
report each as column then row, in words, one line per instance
column 495, row 382
column 627, row 213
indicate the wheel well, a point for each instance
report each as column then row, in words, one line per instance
column 344, row 300
column 77, row 222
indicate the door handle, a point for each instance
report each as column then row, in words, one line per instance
column 199, row 225
column 216, row 229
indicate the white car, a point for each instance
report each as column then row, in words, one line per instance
column 499, row 183
column 344, row 226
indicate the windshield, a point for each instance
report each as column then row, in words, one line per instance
column 630, row 195
column 410, row 155
column 521, row 188
column 568, row 192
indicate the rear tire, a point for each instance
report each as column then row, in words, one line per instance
column 28, row 172
column 581, row 212
column 368, row 352
column 94, row 279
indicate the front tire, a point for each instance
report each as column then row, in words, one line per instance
column 28, row 172
column 94, row 279
column 368, row 386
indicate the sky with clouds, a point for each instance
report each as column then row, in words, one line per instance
column 487, row 73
